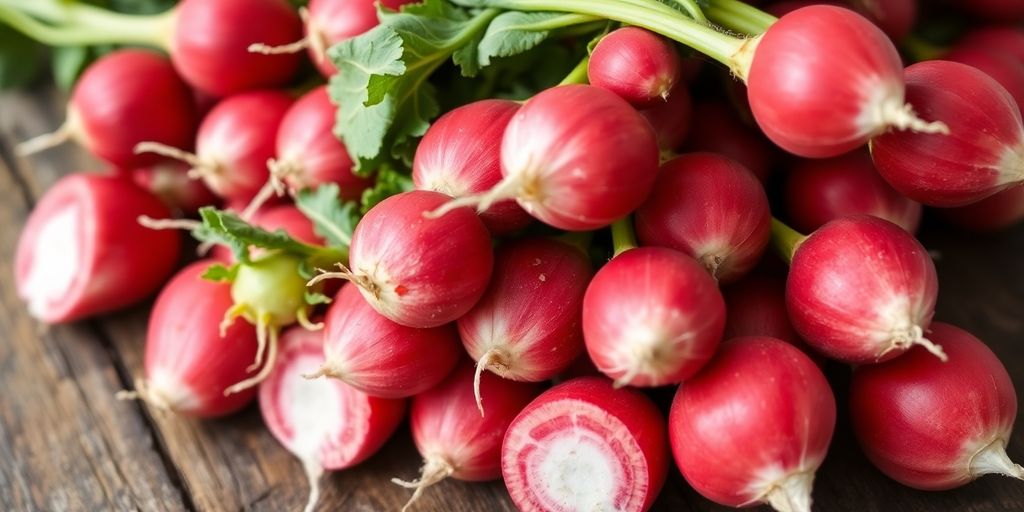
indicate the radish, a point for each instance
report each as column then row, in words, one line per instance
column 455, row 443
column 1000, row 39
column 754, row 425
column 461, row 155
column 651, row 317
column 284, row 217
column 710, row 207
column 861, row 290
column 82, row 252
column 170, row 182
column 895, row 17
column 527, row 325
column 756, row 306
column 1001, row 66
column 576, row 157
column 996, row 10
column 113, row 104
column 984, row 152
column 671, row 119
column 584, row 445
column 417, row 271
column 639, row 66
column 999, row 211
column 235, row 141
column 723, row 133
column 933, row 425
column 325, row 423
column 378, row 357
column 818, row 191
column 189, row 363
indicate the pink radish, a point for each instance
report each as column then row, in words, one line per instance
column 671, row 119
column 862, row 290
column 818, row 191
column 722, row 132
column 895, row 17
column 82, row 252
column 754, row 425
column 461, row 155
column 996, row 10
column 527, row 325
column 170, row 182
column 984, row 152
column 458, row 445
column 576, row 157
column 584, row 445
column 378, row 357
column 285, row 217
column 756, row 306
column 189, row 363
column 999, row 65
column 933, row 425
column 112, row 106
column 1001, row 39
column 999, row 211
column 417, row 271
column 710, row 207
column 639, row 66
column 325, row 423
column 651, row 317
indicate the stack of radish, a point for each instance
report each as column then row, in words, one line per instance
column 487, row 275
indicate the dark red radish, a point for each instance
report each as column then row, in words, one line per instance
column 1001, row 66
column 636, row 64
column 79, row 254
column 862, row 290
column 170, row 182
column 285, row 217
column 190, row 362
column 455, row 443
column 417, row 271
column 756, row 306
column 365, row 350
column 754, row 425
column 671, row 119
column 710, row 207
column 460, row 155
column 527, row 326
column 576, row 157
column 722, row 132
column 818, row 191
column 932, row 425
column 122, row 99
column 996, row 10
column 983, row 153
column 652, row 317
column 895, row 17
column 999, row 211
column 584, row 445
column 1004, row 39
column 326, row 424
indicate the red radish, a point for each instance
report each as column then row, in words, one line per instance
column 756, row 306
column 235, row 141
column 417, row 271
column 124, row 98
column 818, row 191
column 895, row 17
column 1001, row 39
column 933, row 425
column 639, row 66
column 999, row 211
column 527, row 325
column 170, row 182
column 1001, row 66
column 284, row 217
column 862, row 290
column 189, row 363
column 576, row 157
column 754, row 425
column 82, row 252
column 780, row 9
column 997, row 10
column 367, row 351
column 723, row 133
column 984, row 152
column 652, row 317
column 710, row 207
column 850, row 85
column 456, row 443
column 325, row 423
column 461, row 155
column 671, row 119
column 584, row 445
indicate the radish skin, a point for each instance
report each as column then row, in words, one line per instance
column 994, row 213
column 639, row 66
column 170, row 182
column 1001, row 66
column 756, row 306
column 671, row 119
column 722, row 132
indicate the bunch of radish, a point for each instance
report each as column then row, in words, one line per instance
column 611, row 233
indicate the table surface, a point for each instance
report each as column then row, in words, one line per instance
column 67, row 444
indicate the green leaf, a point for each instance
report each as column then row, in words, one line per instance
column 512, row 33
column 227, row 228
column 315, row 298
column 220, row 273
column 68, row 62
column 20, row 58
column 389, row 182
column 333, row 219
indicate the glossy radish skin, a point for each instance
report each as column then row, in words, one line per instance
column 71, row 258
column 584, row 445
column 932, row 425
column 325, row 423
column 710, row 207
column 329, row 22
column 818, row 191
column 367, row 351
column 671, row 119
column 527, row 327
column 1000, row 39
column 999, row 65
column 189, row 363
column 651, row 317
column 722, row 132
column 984, row 152
column 754, row 425
column 850, row 85
column 460, row 155
column 638, row 65
column 756, row 306
column 170, row 182
column 211, row 39
column 862, row 290
column 999, row 211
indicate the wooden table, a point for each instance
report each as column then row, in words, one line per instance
column 67, row 444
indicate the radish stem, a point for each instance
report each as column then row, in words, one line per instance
column 739, row 16
column 786, row 239
column 81, row 24
column 578, row 75
column 623, row 238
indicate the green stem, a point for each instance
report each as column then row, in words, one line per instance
column 738, row 16
column 79, row 24
column 578, row 75
column 919, row 50
column 565, row 20
column 623, row 238
column 786, row 239
column 694, row 10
